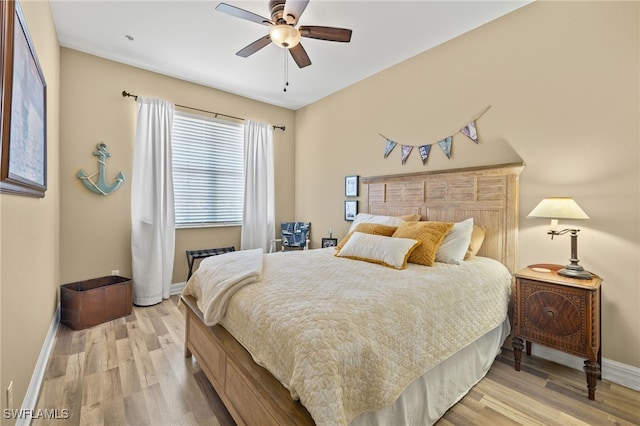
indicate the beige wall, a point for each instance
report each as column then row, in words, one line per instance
column 29, row 262
column 562, row 82
column 96, row 230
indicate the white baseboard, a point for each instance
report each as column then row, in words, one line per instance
column 613, row 371
column 33, row 391
column 622, row 374
column 176, row 288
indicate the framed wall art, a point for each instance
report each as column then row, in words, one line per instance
column 351, row 186
column 329, row 242
column 350, row 209
column 23, row 157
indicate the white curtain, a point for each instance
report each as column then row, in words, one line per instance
column 258, row 219
column 152, row 209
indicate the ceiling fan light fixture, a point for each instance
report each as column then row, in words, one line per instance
column 285, row 35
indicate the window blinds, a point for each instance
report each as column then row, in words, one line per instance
column 208, row 175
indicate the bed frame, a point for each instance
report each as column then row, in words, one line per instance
column 488, row 194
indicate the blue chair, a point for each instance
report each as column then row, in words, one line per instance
column 293, row 235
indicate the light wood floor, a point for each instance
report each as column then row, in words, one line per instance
column 132, row 371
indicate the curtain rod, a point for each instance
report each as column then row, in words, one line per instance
column 126, row 94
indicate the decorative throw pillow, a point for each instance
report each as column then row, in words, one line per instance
column 372, row 218
column 386, row 251
column 430, row 233
column 369, row 228
column 410, row 217
column 477, row 237
column 455, row 244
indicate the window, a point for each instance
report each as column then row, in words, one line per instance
column 208, row 175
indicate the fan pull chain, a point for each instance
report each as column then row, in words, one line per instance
column 286, row 69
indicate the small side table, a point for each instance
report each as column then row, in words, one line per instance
column 561, row 313
column 192, row 255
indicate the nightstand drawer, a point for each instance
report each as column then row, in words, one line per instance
column 560, row 317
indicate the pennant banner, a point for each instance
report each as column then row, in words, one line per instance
column 469, row 130
column 424, row 153
column 445, row 145
column 389, row 147
column 406, row 150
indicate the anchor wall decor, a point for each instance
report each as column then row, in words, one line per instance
column 101, row 187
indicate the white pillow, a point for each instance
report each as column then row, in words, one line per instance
column 372, row 218
column 455, row 243
column 387, row 251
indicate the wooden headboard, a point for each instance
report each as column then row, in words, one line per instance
column 489, row 194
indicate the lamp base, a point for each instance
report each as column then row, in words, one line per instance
column 575, row 271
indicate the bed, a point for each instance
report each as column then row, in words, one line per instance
column 367, row 385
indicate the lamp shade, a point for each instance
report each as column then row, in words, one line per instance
column 558, row 208
column 285, row 35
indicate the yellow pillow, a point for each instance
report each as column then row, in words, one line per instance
column 386, row 251
column 430, row 233
column 410, row 217
column 369, row 228
column 477, row 237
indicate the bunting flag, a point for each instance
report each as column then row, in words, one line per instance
column 406, row 150
column 389, row 147
column 470, row 131
column 424, row 153
column 445, row 145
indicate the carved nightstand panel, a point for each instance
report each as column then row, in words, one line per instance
column 556, row 316
column 561, row 313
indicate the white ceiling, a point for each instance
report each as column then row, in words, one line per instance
column 192, row 41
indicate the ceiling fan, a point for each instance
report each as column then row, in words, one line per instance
column 284, row 17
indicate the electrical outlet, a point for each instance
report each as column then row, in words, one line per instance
column 10, row 396
column 115, row 272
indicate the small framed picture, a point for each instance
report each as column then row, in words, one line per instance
column 350, row 209
column 351, row 186
column 329, row 242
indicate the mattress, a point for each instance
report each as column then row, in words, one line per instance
column 347, row 337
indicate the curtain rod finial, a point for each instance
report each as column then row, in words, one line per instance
column 127, row 94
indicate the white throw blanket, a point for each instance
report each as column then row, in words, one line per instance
column 219, row 277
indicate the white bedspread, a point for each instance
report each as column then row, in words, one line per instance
column 220, row 277
column 346, row 336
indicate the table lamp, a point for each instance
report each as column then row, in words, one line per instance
column 555, row 208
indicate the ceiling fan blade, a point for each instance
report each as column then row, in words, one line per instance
column 300, row 56
column 243, row 14
column 326, row 33
column 254, row 47
column 293, row 10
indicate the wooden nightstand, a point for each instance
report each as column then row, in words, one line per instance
column 561, row 313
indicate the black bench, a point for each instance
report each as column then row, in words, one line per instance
column 192, row 255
